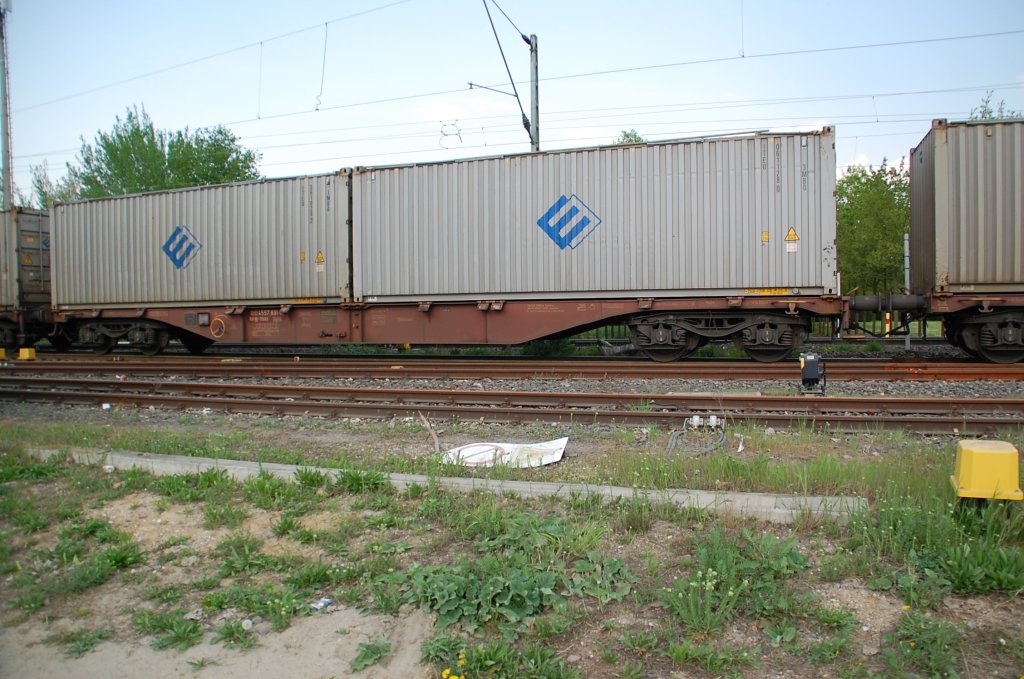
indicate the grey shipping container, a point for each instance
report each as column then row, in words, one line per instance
column 967, row 216
column 24, row 260
column 268, row 242
column 746, row 214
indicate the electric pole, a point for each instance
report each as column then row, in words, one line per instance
column 5, row 113
column 534, row 97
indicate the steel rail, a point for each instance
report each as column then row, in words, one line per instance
column 400, row 367
column 710, row 403
column 920, row 415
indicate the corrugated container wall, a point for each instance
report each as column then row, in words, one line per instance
column 25, row 260
column 966, row 209
column 273, row 241
column 718, row 216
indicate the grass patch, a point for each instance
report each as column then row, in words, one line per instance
column 79, row 642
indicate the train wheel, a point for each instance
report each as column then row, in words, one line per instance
column 103, row 345
column 667, row 355
column 195, row 344
column 160, row 340
column 767, row 354
column 1005, row 356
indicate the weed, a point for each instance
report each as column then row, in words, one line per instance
column 633, row 670
column 923, row 643
column 285, row 525
column 609, row 654
column 311, row 478
column 171, row 629
column 219, row 515
column 443, row 648
column 704, row 601
column 711, row 658
column 233, row 635
column 371, row 654
column 267, row 491
column 240, row 554
column 202, row 663
column 78, row 643
column 195, row 487
column 168, row 594
column 640, row 642
column 357, row 481
column 312, row 576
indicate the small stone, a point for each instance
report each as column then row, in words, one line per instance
column 573, row 659
column 769, row 431
column 870, row 649
column 263, row 629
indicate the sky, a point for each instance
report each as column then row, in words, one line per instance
column 314, row 86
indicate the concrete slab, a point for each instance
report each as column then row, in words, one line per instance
column 763, row 506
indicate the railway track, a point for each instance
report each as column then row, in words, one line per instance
column 462, row 368
column 924, row 415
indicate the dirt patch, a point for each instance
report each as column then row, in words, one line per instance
column 318, row 646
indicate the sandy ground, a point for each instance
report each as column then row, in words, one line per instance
column 315, row 647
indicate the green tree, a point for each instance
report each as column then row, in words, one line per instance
column 45, row 191
column 630, row 137
column 985, row 110
column 873, row 214
column 135, row 157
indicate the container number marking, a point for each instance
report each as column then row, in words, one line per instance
column 181, row 247
column 568, row 221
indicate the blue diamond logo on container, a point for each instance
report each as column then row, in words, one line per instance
column 181, row 247
column 568, row 221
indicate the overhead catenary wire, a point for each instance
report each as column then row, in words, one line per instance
column 198, row 60
column 526, row 120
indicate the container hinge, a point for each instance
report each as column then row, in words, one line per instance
column 735, row 301
column 139, row 313
column 235, row 310
column 286, row 309
column 425, row 306
column 497, row 306
column 645, row 303
column 324, row 333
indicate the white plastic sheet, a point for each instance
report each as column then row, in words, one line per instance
column 507, row 454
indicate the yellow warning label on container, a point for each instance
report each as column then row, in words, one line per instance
column 791, row 235
column 302, row 256
column 766, row 291
column 320, row 257
column 27, row 260
column 764, row 236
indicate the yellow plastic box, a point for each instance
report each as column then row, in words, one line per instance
column 987, row 469
column 25, row 354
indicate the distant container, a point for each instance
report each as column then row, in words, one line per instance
column 748, row 214
column 966, row 210
column 268, row 242
column 24, row 260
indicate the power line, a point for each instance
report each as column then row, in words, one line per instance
column 198, row 60
column 633, row 111
column 515, row 92
column 521, row 34
column 787, row 53
column 649, row 67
